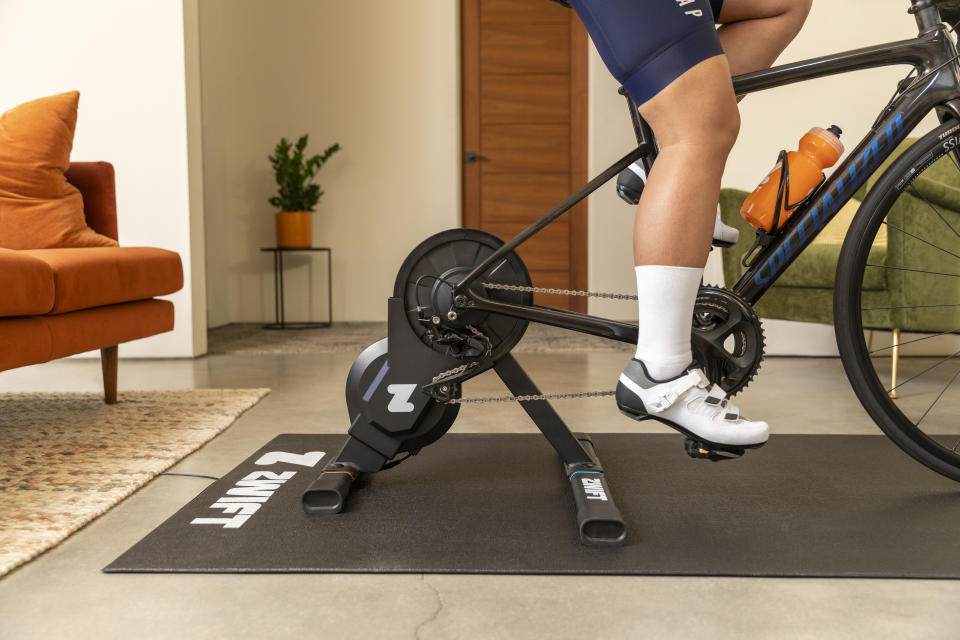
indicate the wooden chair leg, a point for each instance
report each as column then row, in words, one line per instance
column 896, row 362
column 108, row 361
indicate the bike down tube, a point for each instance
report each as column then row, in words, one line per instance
column 804, row 225
column 932, row 54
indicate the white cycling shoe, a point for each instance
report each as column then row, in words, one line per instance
column 690, row 404
column 630, row 185
column 724, row 235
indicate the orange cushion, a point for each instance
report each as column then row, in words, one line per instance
column 25, row 341
column 89, row 329
column 86, row 278
column 26, row 284
column 38, row 207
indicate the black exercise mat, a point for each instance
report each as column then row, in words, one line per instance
column 850, row 506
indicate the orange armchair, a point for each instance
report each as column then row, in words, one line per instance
column 59, row 302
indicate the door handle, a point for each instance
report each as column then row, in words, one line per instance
column 469, row 157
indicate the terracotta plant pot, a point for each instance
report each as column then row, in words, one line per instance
column 294, row 229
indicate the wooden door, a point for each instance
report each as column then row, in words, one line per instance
column 525, row 123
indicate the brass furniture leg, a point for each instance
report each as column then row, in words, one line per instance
column 896, row 358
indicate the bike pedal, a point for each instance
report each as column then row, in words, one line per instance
column 720, row 244
column 701, row 451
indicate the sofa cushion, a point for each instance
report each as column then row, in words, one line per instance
column 25, row 341
column 92, row 277
column 816, row 267
column 816, row 305
column 102, row 327
column 38, row 207
column 26, row 284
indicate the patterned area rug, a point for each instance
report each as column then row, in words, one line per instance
column 66, row 458
column 354, row 337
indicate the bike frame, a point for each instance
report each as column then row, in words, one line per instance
column 933, row 55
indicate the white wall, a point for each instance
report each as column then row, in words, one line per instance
column 382, row 82
column 772, row 120
column 127, row 60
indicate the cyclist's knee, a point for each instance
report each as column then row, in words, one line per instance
column 727, row 127
column 697, row 111
column 711, row 130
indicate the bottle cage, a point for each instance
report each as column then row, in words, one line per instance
column 765, row 238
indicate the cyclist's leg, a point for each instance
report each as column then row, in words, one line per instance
column 668, row 56
column 696, row 121
column 755, row 32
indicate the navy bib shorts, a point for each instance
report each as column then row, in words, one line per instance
column 647, row 44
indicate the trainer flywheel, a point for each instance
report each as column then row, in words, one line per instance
column 426, row 281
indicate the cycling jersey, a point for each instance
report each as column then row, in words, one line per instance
column 647, row 44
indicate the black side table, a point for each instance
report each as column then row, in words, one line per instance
column 281, row 322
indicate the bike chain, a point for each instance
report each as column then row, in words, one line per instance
column 561, row 292
column 543, row 396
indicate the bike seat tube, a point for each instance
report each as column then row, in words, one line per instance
column 642, row 130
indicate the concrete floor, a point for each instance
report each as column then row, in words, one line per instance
column 64, row 594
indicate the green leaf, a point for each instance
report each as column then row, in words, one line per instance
column 294, row 174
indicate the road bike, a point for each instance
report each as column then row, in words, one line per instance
column 463, row 298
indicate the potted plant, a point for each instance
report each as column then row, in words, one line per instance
column 297, row 193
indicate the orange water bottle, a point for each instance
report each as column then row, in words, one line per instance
column 819, row 150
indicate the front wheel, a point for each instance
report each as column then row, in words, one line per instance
column 897, row 298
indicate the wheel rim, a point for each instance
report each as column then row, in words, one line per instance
column 911, row 282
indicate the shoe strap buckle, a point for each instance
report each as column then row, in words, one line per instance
column 673, row 391
column 664, row 401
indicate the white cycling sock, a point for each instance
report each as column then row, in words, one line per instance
column 667, row 296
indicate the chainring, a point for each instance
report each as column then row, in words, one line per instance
column 728, row 338
column 425, row 283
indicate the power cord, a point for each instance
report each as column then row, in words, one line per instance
column 188, row 475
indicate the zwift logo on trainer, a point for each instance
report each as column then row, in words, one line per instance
column 593, row 487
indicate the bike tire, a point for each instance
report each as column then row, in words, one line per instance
column 848, row 300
